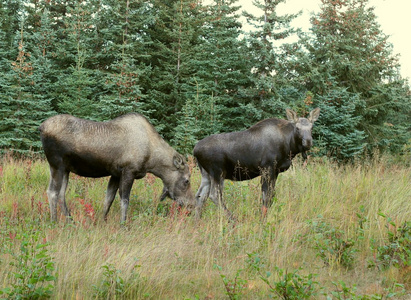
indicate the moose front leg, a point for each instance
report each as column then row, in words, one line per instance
column 112, row 189
column 126, row 183
column 268, row 180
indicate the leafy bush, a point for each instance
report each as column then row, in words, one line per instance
column 34, row 271
column 112, row 284
column 342, row 292
column 332, row 246
column 233, row 287
column 397, row 251
column 289, row 285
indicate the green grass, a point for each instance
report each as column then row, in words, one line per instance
column 329, row 223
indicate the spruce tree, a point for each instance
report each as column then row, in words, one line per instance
column 175, row 33
column 221, row 66
column 77, row 84
column 24, row 102
column 9, row 25
column 350, row 69
column 266, row 44
column 123, row 25
column 198, row 115
column 198, row 118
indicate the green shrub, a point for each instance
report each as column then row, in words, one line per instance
column 112, row 284
column 34, row 271
column 332, row 246
column 233, row 287
column 285, row 285
column 343, row 292
column 397, row 249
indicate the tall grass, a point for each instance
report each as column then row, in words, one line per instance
column 327, row 221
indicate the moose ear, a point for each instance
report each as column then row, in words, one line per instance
column 291, row 115
column 314, row 114
column 178, row 161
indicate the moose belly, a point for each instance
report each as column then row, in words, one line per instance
column 87, row 165
column 241, row 171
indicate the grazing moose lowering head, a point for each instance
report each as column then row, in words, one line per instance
column 266, row 149
column 125, row 148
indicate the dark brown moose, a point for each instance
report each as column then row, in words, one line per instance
column 125, row 148
column 265, row 149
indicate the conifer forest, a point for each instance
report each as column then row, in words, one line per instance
column 193, row 69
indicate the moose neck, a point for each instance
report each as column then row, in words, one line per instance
column 161, row 160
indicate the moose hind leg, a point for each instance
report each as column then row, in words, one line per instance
column 112, row 189
column 216, row 195
column 54, row 191
column 62, row 194
column 202, row 193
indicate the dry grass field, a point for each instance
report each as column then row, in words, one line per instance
column 334, row 232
